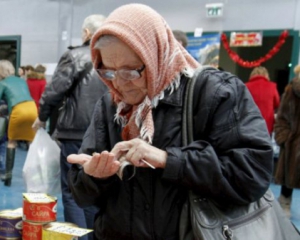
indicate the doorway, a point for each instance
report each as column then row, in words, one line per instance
column 280, row 67
column 10, row 49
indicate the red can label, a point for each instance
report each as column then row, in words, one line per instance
column 43, row 212
column 32, row 231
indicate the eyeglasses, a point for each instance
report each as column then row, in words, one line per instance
column 125, row 74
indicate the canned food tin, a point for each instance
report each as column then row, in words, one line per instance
column 39, row 207
column 63, row 231
column 10, row 224
column 32, row 230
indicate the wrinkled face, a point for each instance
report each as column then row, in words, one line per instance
column 117, row 56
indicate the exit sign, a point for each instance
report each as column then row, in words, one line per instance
column 214, row 9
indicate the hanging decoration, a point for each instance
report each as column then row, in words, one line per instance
column 250, row 64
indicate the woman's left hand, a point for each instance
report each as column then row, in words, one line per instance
column 137, row 151
column 100, row 165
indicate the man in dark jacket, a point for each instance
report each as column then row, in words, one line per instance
column 74, row 82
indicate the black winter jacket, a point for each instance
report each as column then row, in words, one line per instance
column 230, row 160
column 77, row 84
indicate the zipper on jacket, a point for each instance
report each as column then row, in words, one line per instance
column 227, row 228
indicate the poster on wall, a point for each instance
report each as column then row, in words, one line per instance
column 205, row 49
column 240, row 39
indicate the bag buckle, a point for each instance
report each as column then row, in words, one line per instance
column 227, row 233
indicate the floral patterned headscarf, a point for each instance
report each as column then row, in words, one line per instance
column 150, row 37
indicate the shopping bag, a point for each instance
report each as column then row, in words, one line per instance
column 41, row 171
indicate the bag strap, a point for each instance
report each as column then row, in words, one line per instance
column 187, row 112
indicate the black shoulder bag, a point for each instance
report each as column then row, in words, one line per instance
column 203, row 219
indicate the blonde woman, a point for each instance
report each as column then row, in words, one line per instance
column 265, row 94
column 22, row 113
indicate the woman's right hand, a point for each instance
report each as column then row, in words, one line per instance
column 100, row 165
column 38, row 124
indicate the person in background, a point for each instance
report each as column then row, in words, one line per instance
column 3, row 139
column 76, row 83
column 265, row 94
column 36, row 82
column 287, row 136
column 22, row 71
column 139, row 119
column 22, row 113
column 28, row 69
column 181, row 37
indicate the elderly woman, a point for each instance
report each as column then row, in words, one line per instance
column 146, row 70
column 22, row 112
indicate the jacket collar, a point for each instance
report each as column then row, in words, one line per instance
column 86, row 43
column 175, row 98
column 257, row 78
column 296, row 86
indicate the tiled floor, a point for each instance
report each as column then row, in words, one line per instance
column 295, row 209
column 11, row 197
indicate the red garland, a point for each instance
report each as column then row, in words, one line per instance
column 250, row 64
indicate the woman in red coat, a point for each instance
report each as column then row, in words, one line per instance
column 36, row 82
column 265, row 94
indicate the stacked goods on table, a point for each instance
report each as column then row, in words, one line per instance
column 63, row 231
column 39, row 220
column 11, row 224
column 38, row 210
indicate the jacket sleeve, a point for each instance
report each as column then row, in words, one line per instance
column 86, row 190
column 55, row 90
column 282, row 124
column 231, row 156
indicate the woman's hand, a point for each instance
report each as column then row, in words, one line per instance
column 38, row 124
column 99, row 165
column 137, row 151
column 105, row 164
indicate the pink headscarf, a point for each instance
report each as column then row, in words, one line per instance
column 150, row 37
